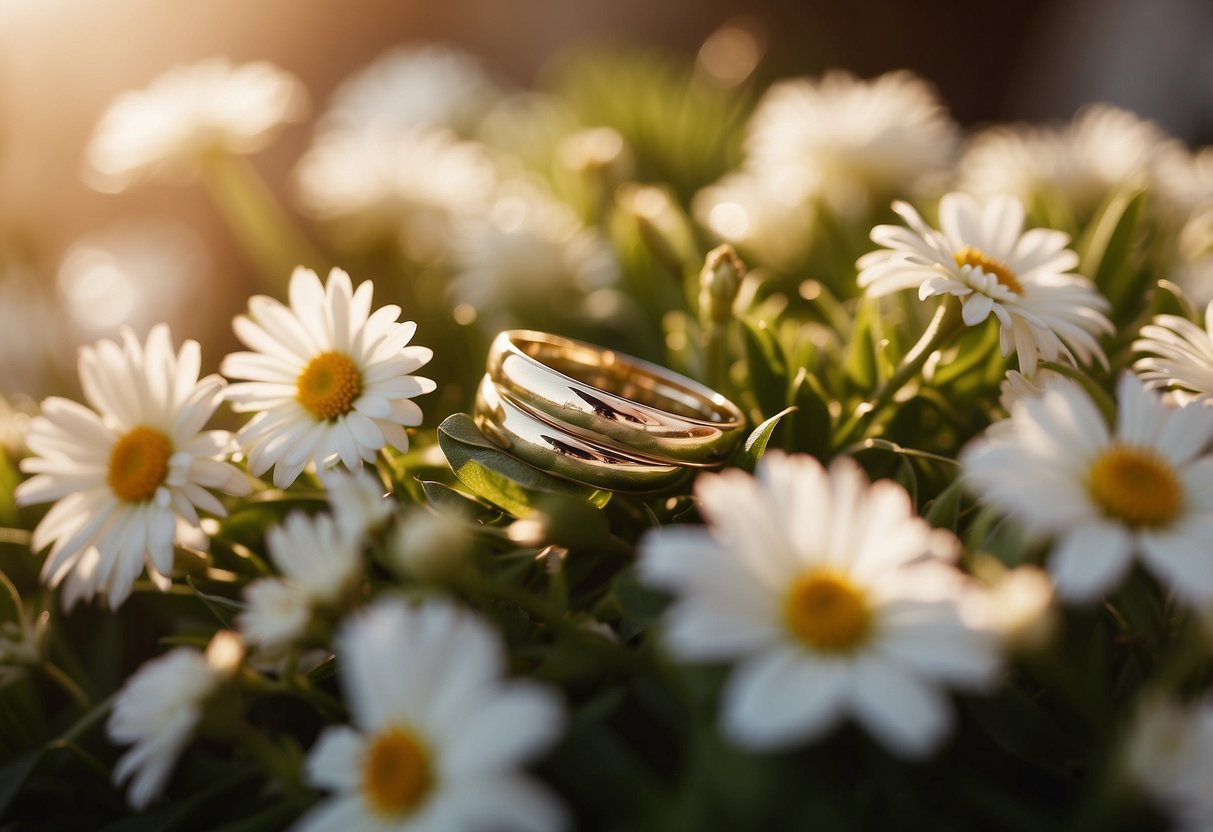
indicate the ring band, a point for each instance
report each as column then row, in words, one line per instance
column 552, row 448
column 614, row 400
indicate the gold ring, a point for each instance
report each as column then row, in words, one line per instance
column 614, row 400
column 552, row 448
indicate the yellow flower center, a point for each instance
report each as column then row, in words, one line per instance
column 329, row 385
column 138, row 464
column 395, row 773
column 978, row 259
column 827, row 612
column 1136, row 486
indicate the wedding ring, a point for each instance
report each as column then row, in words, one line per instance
column 615, row 401
column 552, row 448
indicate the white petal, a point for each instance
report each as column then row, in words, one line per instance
column 908, row 716
column 1090, row 560
column 783, row 697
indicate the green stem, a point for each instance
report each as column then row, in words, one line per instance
column 17, row 537
column 714, row 339
column 274, row 758
column 541, row 610
column 67, row 683
column 257, row 220
column 942, row 328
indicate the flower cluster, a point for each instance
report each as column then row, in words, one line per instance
column 956, row 572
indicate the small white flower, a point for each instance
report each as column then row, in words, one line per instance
column 437, row 734
column 983, row 256
column 407, row 187
column 834, row 598
column 1169, row 753
column 159, row 708
column 358, row 500
column 188, row 112
column 319, row 566
column 1143, row 488
column 1177, row 354
column 529, row 249
column 428, row 546
column 759, row 216
column 411, row 86
column 128, row 478
column 852, row 143
column 1021, row 609
column 328, row 379
column 1103, row 148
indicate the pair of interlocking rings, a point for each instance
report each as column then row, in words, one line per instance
column 599, row 417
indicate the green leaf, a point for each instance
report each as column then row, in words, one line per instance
column 14, row 772
column 944, row 511
column 502, row 479
column 766, row 365
column 756, row 443
column 640, row 604
column 455, row 504
column 860, row 363
column 9, row 478
column 1107, row 245
column 13, row 775
column 222, row 608
column 811, row 423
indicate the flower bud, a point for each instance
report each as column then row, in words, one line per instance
column 719, row 282
column 428, row 546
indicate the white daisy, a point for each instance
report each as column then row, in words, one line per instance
column 188, row 112
column 758, row 216
column 406, row 187
column 983, row 256
column 129, row 477
column 834, row 598
column 1102, row 148
column 1177, row 354
column 1105, row 495
column 328, row 379
column 852, row 143
column 528, row 250
column 359, row 502
column 410, row 86
column 1169, row 753
column 159, row 708
column 437, row 734
column 319, row 565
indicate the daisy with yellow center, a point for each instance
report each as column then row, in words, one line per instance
column 983, row 256
column 833, row 599
column 129, row 476
column 437, row 734
column 327, row 379
column 1144, row 487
